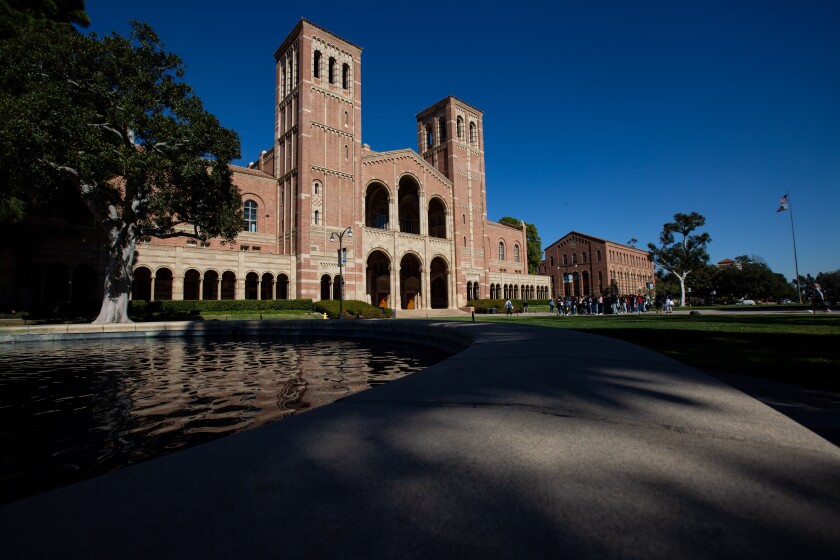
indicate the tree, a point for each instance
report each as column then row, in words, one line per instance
column 112, row 120
column 532, row 238
column 752, row 278
column 683, row 254
column 21, row 14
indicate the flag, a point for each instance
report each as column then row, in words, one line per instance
column 784, row 204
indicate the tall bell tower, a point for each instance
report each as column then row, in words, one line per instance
column 318, row 155
column 451, row 138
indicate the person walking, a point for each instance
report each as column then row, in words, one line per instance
column 509, row 307
column 551, row 305
column 818, row 300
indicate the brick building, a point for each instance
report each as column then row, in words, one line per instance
column 419, row 235
column 586, row 265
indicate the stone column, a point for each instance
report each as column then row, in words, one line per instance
column 200, row 287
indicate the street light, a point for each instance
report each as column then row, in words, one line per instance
column 349, row 233
column 689, row 296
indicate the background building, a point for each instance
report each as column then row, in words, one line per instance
column 581, row 265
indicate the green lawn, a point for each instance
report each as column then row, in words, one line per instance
column 802, row 349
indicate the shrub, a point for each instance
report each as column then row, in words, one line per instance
column 352, row 308
column 184, row 310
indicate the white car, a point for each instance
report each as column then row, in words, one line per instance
column 745, row 302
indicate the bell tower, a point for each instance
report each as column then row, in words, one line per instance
column 450, row 137
column 318, row 156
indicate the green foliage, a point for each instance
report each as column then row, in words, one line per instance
column 351, row 308
column 532, row 238
column 112, row 121
column 192, row 309
column 16, row 15
column 753, row 279
column 484, row 305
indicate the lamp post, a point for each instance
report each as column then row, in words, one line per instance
column 688, row 290
column 349, row 233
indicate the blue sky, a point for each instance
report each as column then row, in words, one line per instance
column 604, row 117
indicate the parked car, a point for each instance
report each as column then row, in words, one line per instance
column 745, row 302
column 785, row 302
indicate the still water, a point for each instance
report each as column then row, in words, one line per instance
column 72, row 410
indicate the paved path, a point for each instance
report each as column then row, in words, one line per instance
column 528, row 443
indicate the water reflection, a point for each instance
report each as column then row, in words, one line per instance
column 71, row 410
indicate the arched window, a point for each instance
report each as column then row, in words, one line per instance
column 473, row 136
column 250, row 212
column 516, row 253
column 346, row 152
column 599, row 255
column 317, row 217
column 460, row 127
column 501, row 250
column 430, row 137
column 574, row 258
column 331, row 70
column 345, row 76
column 565, row 260
column 316, row 188
column 551, row 260
column 442, row 129
column 464, row 218
column 316, row 65
column 583, row 256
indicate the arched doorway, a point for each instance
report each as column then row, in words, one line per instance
column 229, row 285
column 437, row 218
column 326, row 284
column 376, row 206
column 267, row 286
column 282, row 286
column 338, row 283
column 378, row 279
column 141, row 288
column 192, row 284
column 163, row 284
column 210, row 286
column 410, row 285
column 438, row 280
column 251, row 285
column 408, row 199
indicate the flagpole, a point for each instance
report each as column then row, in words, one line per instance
column 795, row 260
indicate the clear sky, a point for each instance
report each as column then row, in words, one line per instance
column 604, row 117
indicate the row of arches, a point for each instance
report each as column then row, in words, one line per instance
column 630, row 282
column 207, row 285
column 436, row 132
column 518, row 291
column 417, row 287
column 378, row 209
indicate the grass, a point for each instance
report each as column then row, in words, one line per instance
column 802, row 349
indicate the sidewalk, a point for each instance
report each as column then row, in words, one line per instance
column 529, row 443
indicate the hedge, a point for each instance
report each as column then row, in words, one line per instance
column 484, row 305
column 192, row 309
column 185, row 310
column 352, row 308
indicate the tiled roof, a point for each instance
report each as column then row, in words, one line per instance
column 247, row 171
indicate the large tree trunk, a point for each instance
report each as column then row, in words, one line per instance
column 119, row 276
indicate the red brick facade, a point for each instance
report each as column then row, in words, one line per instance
column 581, row 264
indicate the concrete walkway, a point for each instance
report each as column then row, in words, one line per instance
column 528, row 443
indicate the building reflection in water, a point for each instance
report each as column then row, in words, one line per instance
column 72, row 410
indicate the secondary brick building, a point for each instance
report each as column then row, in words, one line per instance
column 581, row 264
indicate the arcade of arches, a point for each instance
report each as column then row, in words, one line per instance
column 410, row 284
column 209, row 285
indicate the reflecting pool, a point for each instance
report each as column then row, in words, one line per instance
column 71, row 410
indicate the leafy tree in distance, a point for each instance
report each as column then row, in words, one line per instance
column 16, row 15
column 112, row 121
column 679, row 252
column 532, row 237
